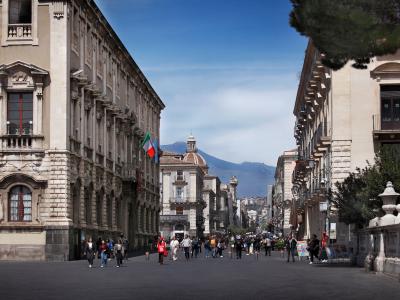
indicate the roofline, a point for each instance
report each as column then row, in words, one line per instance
column 125, row 51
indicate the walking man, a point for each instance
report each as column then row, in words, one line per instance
column 174, row 245
column 313, row 248
column 186, row 244
column 268, row 246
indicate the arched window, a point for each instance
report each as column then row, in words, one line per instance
column 20, row 204
column 109, row 211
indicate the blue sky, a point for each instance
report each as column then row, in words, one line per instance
column 227, row 70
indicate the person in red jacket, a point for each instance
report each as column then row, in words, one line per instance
column 161, row 248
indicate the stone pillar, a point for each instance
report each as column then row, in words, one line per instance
column 139, row 218
column 380, row 259
column 369, row 259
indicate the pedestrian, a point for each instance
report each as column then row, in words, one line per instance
column 90, row 251
column 324, row 248
column 268, row 246
column 125, row 247
column 174, row 245
column 103, row 253
column 195, row 247
column 207, row 248
column 161, row 248
column 118, row 252
column 313, row 248
column 238, row 245
column 98, row 244
column 291, row 247
column 186, row 244
column 220, row 247
column 213, row 244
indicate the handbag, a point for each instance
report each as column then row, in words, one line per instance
column 165, row 253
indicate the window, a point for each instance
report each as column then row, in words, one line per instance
column 179, row 194
column 390, row 107
column 20, row 12
column 20, row 204
column 179, row 210
column 179, row 175
column 20, row 113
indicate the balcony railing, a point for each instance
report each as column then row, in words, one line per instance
column 19, row 31
column 386, row 124
column 174, row 218
column 21, row 142
column 386, row 129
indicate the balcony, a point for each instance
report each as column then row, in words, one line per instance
column 321, row 139
column 386, row 129
column 179, row 180
column 19, row 31
column 171, row 219
column 186, row 201
column 22, row 143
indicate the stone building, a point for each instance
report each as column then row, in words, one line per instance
column 193, row 201
column 342, row 118
column 282, row 197
column 74, row 106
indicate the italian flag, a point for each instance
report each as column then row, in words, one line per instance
column 147, row 145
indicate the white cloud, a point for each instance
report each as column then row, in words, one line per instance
column 237, row 114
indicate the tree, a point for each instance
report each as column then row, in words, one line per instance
column 356, row 198
column 349, row 30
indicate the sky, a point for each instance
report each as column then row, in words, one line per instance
column 227, row 70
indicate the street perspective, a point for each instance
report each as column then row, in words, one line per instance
column 199, row 149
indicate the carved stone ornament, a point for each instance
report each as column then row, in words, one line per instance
column 58, row 9
column 19, row 76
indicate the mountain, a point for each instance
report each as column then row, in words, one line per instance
column 253, row 177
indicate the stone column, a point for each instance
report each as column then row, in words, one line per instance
column 380, row 259
column 369, row 259
column 139, row 218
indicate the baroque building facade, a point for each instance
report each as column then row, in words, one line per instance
column 193, row 201
column 282, row 197
column 74, row 106
column 342, row 119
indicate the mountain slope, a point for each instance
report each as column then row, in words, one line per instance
column 253, row 177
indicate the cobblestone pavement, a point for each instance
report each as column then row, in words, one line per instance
column 221, row 278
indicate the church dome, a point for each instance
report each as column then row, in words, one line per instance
column 192, row 156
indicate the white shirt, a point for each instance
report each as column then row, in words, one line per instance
column 186, row 243
column 174, row 244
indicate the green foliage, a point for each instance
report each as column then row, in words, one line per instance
column 346, row 30
column 235, row 230
column 357, row 196
column 280, row 244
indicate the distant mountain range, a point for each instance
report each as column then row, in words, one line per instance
column 253, row 177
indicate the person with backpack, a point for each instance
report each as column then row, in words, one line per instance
column 161, row 249
column 118, row 253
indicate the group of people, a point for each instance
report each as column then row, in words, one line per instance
column 315, row 248
column 106, row 250
column 214, row 246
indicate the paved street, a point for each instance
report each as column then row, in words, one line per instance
column 267, row 278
